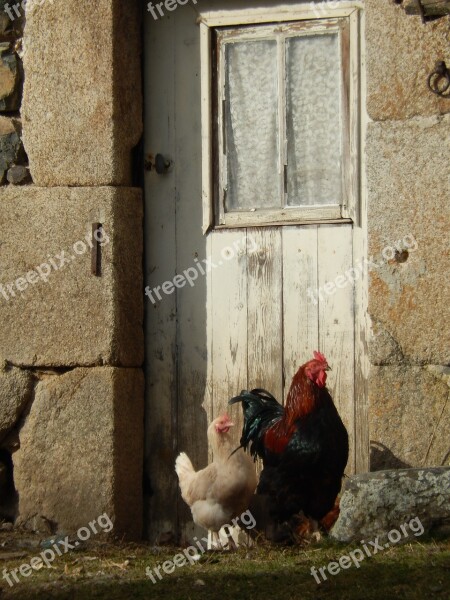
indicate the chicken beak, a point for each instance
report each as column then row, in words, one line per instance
column 328, row 368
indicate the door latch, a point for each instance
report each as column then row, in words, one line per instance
column 159, row 163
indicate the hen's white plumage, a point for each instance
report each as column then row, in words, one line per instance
column 222, row 490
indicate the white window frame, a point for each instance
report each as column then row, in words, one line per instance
column 315, row 15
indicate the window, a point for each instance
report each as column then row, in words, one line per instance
column 284, row 136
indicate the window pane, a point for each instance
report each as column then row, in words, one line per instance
column 313, row 120
column 251, row 122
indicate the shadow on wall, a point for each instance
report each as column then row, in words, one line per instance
column 382, row 458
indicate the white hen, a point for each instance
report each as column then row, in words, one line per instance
column 222, row 490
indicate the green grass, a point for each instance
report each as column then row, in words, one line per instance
column 418, row 570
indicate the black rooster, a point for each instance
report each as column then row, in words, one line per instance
column 304, row 446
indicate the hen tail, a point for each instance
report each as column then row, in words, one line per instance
column 185, row 472
column 261, row 411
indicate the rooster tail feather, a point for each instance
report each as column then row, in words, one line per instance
column 261, row 411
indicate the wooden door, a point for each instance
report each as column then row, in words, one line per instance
column 240, row 292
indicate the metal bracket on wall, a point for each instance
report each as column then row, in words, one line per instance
column 439, row 80
column 96, row 256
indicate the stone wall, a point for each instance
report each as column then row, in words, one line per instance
column 71, row 343
column 13, row 160
column 408, row 157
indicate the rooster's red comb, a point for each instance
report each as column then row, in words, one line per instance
column 319, row 356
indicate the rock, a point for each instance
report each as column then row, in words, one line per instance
column 5, row 21
column 18, row 175
column 408, row 206
column 11, row 25
column 9, row 78
column 7, row 125
column 82, row 117
column 409, row 417
column 374, row 504
column 40, row 524
column 400, row 54
column 441, row 372
column 383, row 349
column 11, row 148
column 70, row 316
column 81, row 452
column 16, row 386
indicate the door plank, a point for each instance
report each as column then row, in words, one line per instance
column 228, row 313
column 264, row 312
column 160, row 363
column 362, row 364
column 192, row 419
column 336, row 320
column 300, row 313
column 264, row 323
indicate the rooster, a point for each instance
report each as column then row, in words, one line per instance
column 223, row 490
column 304, row 446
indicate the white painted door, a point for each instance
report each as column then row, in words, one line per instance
column 277, row 274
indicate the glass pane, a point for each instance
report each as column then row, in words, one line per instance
column 251, row 122
column 313, row 109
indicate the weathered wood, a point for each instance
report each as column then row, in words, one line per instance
column 431, row 8
column 264, row 310
column 160, row 265
column 360, row 251
column 336, row 319
column 305, row 214
column 351, row 115
column 249, row 320
column 273, row 14
column 228, row 313
column 206, row 126
column 362, row 434
column 291, row 221
column 192, row 419
column 300, row 312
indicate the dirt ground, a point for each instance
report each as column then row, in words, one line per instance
column 414, row 571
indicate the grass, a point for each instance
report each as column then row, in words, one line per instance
column 418, row 570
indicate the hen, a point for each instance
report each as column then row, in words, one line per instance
column 223, row 489
column 304, row 446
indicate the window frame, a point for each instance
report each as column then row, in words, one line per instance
column 297, row 18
